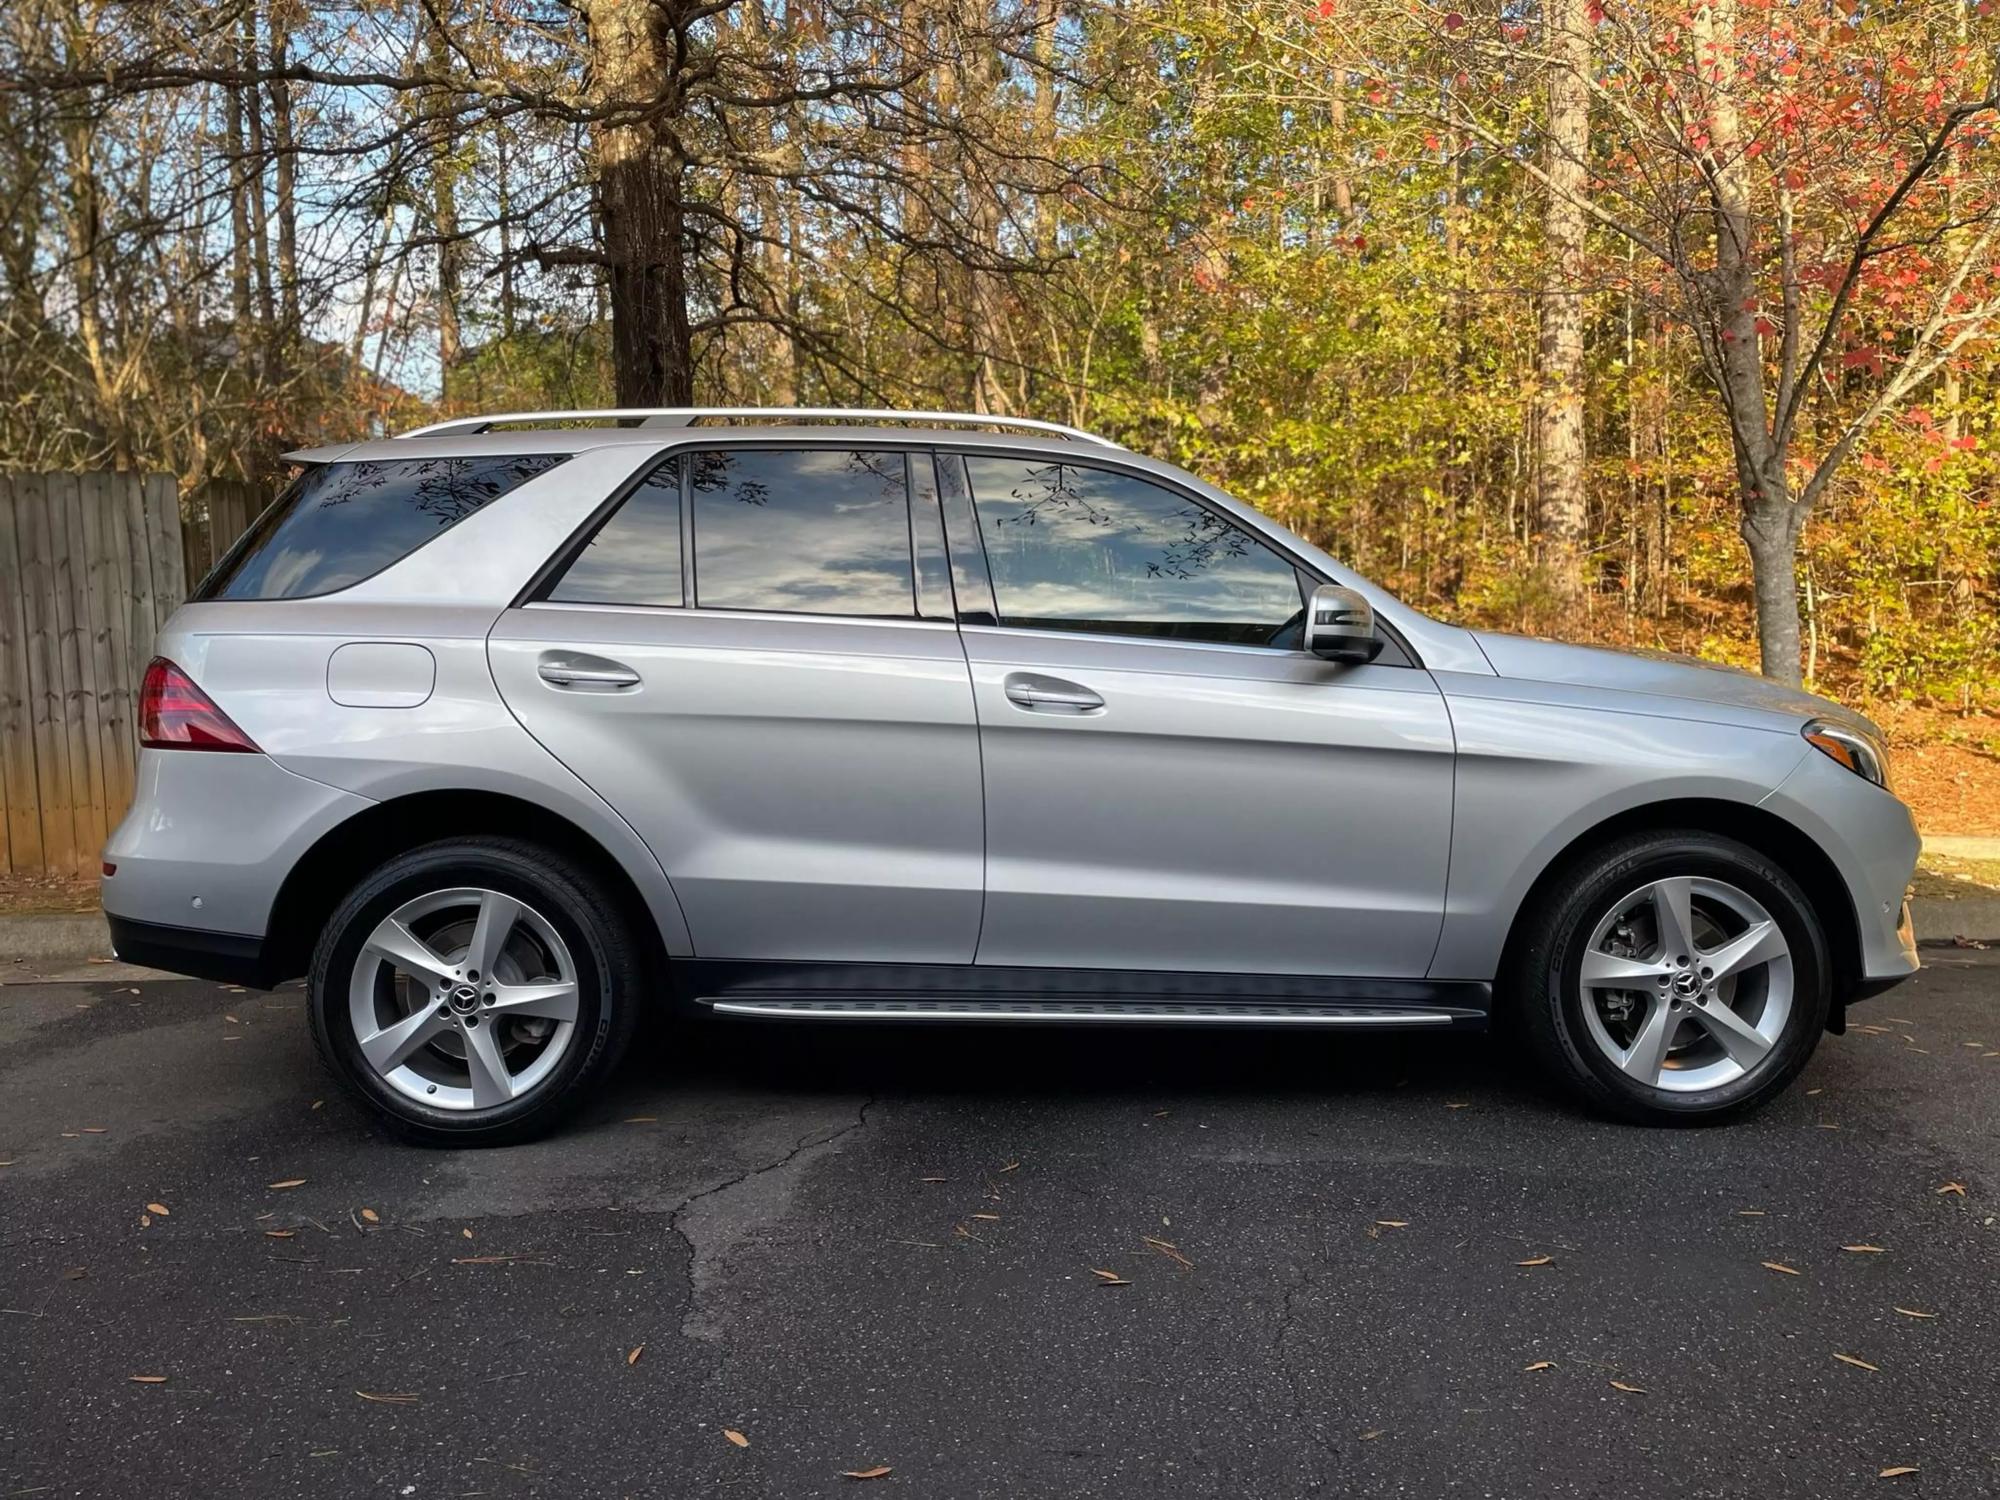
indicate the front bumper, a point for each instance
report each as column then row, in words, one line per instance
column 231, row 957
column 1868, row 986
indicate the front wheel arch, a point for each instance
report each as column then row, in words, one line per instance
column 1746, row 823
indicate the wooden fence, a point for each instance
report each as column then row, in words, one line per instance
column 91, row 565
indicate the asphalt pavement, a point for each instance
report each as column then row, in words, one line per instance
column 1018, row 1263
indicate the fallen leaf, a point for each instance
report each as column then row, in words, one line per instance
column 370, row 1216
column 466, row 1233
column 1780, row 1267
column 991, row 1217
column 280, row 1234
column 1749, row 1213
column 317, row 1103
column 76, row 1273
column 1369, row 1437
column 157, row 1208
column 1811, row 1092
column 1911, row 1312
column 642, row 1119
column 736, row 1437
column 99, row 960
column 1953, row 1187
column 1008, row 1168
column 1959, row 941
column 94, row 1130
column 1109, row 1278
column 289, row 1182
column 1635, row 1390
column 1170, row 1250
column 875, row 1473
column 230, row 1019
column 149, row 1380
column 1394, row 1223
column 400, row 1398
column 932, row 1179
column 1857, row 1361
column 1539, row 1260
column 633, row 1357
column 1465, row 1105
column 1895, row 1471
column 1865, row 1249
column 1541, row 1364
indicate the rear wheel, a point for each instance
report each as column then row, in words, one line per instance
column 1673, row 978
column 475, row 991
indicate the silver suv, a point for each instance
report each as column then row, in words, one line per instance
column 508, row 728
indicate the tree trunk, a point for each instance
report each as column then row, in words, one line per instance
column 444, row 210
column 286, row 177
column 1561, row 499
column 640, row 187
column 1771, row 532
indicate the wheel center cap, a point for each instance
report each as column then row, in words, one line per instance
column 464, row 999
column 1687, row 984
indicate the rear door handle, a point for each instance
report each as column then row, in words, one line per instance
column 591, row 674
column 1039, row 694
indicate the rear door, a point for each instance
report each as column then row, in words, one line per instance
column 1171, row 783
column 753, row 659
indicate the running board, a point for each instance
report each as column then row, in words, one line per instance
column 1155, row 1013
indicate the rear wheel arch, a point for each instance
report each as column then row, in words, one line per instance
column 1783, row 842
column 348, row 852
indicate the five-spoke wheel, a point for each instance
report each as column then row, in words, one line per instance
column 470, row 989
column 1672, row 976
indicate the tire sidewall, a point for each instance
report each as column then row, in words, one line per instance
column 1594, row 895
column 551, row 891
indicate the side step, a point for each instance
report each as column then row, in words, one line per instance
column 1153, row 1013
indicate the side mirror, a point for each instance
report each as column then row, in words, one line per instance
column 1340, row 625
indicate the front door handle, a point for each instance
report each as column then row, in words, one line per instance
column 591, row 674
column 1039, row 694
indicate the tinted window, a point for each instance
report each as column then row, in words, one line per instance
column 337, row 524
column 1075, row 548
column 635, row 558
column 818, row 531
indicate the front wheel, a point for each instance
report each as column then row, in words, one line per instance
column 474, row 991
column 1673, row 978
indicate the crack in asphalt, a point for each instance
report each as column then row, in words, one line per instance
column 699, row 1261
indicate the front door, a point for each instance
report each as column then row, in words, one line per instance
column 790, row 726
column 1171, row 784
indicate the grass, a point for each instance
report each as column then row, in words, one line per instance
column 1943, row 878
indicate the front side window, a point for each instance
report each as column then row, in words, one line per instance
column 339, row 523
column 635, row 557
column 1076, row 548
column 822, row 531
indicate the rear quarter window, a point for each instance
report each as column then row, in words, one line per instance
column 339, row 523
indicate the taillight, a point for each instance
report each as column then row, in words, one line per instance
column 174, row 714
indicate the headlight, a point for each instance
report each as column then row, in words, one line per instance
column 1860, row 753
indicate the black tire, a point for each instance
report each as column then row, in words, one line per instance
column 1547, row 997
column 590, row 919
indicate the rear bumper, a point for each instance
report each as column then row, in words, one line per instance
column 207, row 845
column 231, row 957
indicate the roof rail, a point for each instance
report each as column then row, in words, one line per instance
column 686, row 416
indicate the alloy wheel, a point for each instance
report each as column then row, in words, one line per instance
column 1687, row 984
column 464, row 999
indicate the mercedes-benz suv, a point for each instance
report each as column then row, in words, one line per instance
column 509, row 728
